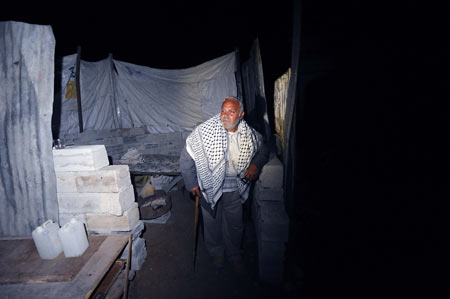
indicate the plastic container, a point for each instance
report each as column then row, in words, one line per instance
column 47, row 240
column 73, row 238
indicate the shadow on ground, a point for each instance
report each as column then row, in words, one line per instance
column 168, row 271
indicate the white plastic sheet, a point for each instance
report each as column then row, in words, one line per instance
column 116, row 94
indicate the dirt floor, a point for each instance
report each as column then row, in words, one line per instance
column 168, row 271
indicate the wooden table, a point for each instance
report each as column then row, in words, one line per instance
column 23, row 274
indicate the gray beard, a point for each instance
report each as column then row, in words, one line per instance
column 232, row 126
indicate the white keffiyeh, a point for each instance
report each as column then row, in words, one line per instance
column 208, row 146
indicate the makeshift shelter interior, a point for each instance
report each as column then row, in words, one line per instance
column 364, row 146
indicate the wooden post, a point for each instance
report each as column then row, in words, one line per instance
column 77, row 82
column 240, row 94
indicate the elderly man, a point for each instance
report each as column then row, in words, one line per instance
column 221, row 158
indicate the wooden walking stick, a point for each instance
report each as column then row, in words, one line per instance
column 195, row 230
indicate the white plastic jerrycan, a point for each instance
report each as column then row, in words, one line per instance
column 47, row 240
column 73, row 238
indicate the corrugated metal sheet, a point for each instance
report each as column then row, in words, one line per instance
column 27, row 177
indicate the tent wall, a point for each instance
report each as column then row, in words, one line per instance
column 27, row 177
column 117, row 94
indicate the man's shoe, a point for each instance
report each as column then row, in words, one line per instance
column 219, row 261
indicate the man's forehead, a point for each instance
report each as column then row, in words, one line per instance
column 232, row 102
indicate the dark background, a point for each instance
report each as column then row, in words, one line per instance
column 372, row 153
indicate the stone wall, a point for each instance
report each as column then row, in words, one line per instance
column 118, row 141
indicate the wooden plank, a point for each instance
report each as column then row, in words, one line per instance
column 20, row 262
column 109, row 278
column 99, row 264
column 116, row 290
column 84, row 282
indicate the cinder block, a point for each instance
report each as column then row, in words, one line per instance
column 159, row 137
column 112, row 141
column 174, row 136
column 272, row 174
column 116, row 149
column 129, row 139
column 148, row 138
column 108, row 223
column 111, row 178
column 138, row 260
column 94, row 134
column 272, row 222
column 115, row 132
column 136, row 232
column 109, row 203
column 133, row 131
column 268, row 194
column 80, row 158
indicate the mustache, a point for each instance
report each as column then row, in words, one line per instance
column 226, row 118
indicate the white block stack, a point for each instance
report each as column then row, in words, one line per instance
column 96, row 193
column 93, row 191
column 271, row 221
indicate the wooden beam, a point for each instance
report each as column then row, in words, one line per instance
column 77, row 82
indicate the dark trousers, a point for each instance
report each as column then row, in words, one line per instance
column 223, row 233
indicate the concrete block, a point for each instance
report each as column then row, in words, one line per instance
column 129, row 139
column 174, row 136
column 272, row 174
column 80, row 158
column 136, row 232
column 159, row 137
column 138, row 260
column 108, row 223
column 271, row 259
column 133, row 132
column 148, row 138
column 94, row 134
column 268, row 194
column 272, row 221
column 108, row 203
column 116, row 149
column 109, row 141
column 111, row 178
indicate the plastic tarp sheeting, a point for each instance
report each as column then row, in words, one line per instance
column 117, row 94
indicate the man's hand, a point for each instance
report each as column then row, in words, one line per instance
column 252, row 173
column 195, row 191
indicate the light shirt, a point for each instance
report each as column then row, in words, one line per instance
column 233, row 153
column 230, row 183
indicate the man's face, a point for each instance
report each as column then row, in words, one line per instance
column 230, row 115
